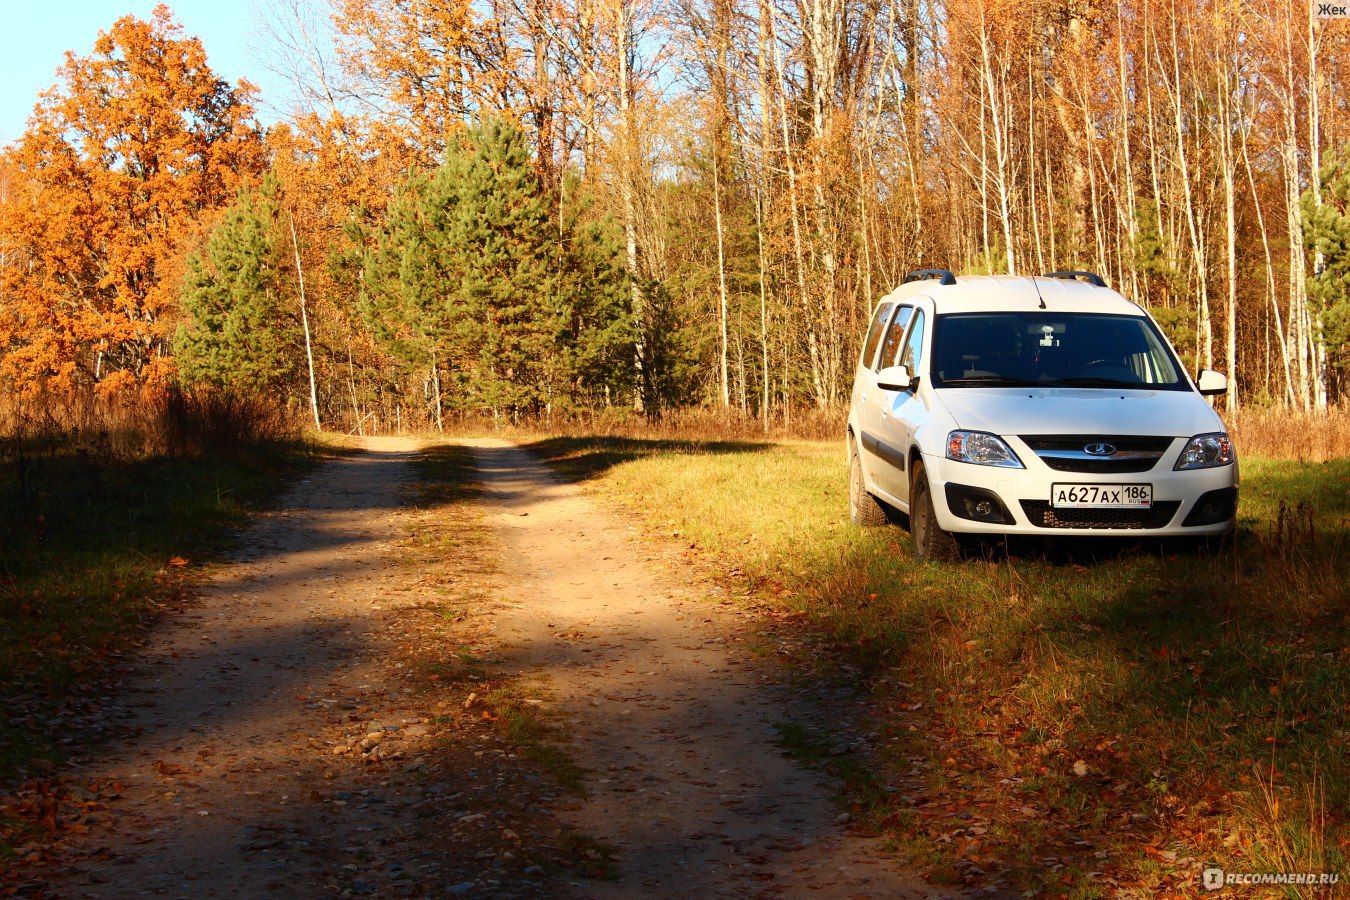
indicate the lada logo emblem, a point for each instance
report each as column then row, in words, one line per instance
column 1100, row 449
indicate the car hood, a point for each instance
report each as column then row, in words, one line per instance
column 1083, row 411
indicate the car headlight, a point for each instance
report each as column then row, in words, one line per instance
column 1206, row 451
column 981, row 449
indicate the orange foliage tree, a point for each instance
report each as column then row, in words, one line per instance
column 120, row 164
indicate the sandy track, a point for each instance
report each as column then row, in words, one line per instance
column 676, row 729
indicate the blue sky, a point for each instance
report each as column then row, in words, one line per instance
column 37, row 33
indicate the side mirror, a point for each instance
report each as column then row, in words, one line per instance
column 895, row 378
column 1210, row 382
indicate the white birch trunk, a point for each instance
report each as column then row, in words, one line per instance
column 304, row 323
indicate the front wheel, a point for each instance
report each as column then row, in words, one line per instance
column 931, row 543
column 863, row 508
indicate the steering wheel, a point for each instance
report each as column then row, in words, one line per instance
column 1107, row 368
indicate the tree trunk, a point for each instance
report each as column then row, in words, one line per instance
column 627, row 188
column 721, row 282
column 304, row 322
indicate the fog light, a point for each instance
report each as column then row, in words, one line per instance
column 1213, row 508
column 976, row 504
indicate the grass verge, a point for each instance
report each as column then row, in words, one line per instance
column 1072, row 724
column 93, row 548
column 90, row 552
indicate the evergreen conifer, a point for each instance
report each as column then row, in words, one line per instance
column 1326, row 227
column 472, row 276
column 241, row 333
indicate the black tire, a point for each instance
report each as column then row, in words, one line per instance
column 863, row 509
column 931, row 543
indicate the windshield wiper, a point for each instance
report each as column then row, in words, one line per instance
column 1093, row 382
column 987, row 381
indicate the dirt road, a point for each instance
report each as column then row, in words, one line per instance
column 251, row 776
column 675, row 726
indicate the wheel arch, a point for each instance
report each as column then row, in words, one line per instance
column 915, row 456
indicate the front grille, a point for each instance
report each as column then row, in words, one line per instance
column 1129, row 443
column 1066, row 453
column 1100, row 466
column 1043, row 515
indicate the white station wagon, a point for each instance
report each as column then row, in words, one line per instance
column 1051, row 405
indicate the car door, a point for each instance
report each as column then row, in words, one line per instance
column 864, row 379
column 884, row 462
column 902, row 411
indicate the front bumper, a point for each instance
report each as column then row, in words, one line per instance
column 973, row 499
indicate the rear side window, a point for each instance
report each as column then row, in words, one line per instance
column 869, row 351
column 894, row 335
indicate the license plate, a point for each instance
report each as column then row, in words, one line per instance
column 1089, row 495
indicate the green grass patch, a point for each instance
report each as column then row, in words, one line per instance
column 521, row 709
column 91, row 547
column 1142, row 711
column 589, row 856
column 445, row 475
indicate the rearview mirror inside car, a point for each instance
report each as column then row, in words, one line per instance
column 1210, row 382
column 895, row 378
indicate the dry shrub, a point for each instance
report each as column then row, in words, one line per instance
column 1285, row 433
column 695, row 423
column 1273, row 432
column 56, row 423
column 115, row 428
column 199, row 422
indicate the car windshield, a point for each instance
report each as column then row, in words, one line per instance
column 1044, row 349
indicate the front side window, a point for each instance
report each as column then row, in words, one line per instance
column 913, row 354
column 894, row 335
column 869, row 351
column 1044, row 349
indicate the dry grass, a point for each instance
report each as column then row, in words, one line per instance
column 1282, row 433
column 694, row 423
column 1270, row 432
column 125, row 428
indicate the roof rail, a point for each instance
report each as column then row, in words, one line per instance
column 942, row 275
column 1091, row 278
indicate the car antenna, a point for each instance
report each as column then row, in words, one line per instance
column 1038, row 291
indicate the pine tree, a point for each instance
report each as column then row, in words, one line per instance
column 594, row 336
column 471, row 272
column 241, row 332
column 1326, row 227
